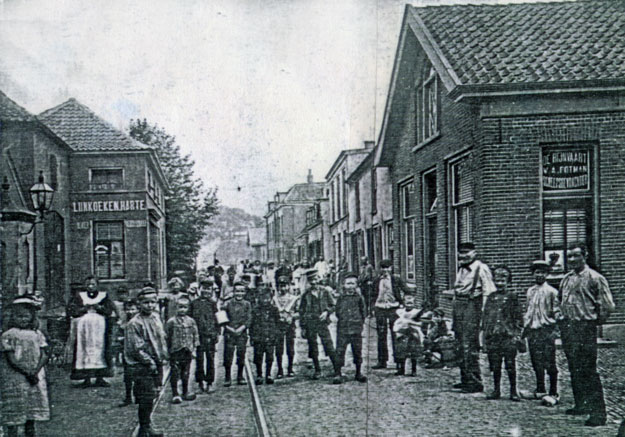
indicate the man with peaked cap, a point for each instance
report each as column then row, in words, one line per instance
column 315, row 308
column 539, row 326
column 145, row 351
column 474, row 281
column 365, row 281
column 388, row 290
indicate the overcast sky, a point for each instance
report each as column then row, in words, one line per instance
column 257, row 91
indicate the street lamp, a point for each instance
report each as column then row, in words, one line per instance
column 41, row 194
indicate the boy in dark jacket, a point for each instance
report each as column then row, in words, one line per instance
column 501, row 323
column 203, row 311
column 263, row 334
column 350, row 311
column 239, row 313
column 316, row 305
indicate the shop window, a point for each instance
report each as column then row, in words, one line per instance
column 567, row 202
column 427, row 104
column 106, row 179
column 109, row 250
column 462, row 200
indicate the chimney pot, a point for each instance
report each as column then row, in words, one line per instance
column 309, row 178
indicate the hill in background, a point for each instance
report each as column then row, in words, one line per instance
column 226, row 237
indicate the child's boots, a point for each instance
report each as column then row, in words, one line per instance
column 359, row 376
column 240, row 380
column 401, row 368
column 514, row 395
column 496, row 393
column 228, row 380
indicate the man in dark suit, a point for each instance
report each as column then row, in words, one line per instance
column 389, row 290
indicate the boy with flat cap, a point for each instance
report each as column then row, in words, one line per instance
column 239, row 313
column 388, row 290
column 350, row 311
column 315, row 308
column 145, row 351
column 540, row 329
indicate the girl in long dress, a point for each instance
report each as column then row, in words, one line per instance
column 23, row 389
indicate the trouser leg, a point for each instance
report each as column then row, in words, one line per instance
column 210, row 367
column 290, row 345
column 199, row 364
column 570, row 345
column 326, row 342
column 592, row 389
column 381, row 327
column 471, row 341
column 185, row 371
column 392, row 317
column 280, row 350
column 510, row 359
column 269, row 351
column 495, row 359
column 175, row 366
column 536, row 350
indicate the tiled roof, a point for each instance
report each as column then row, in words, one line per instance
column 9, row 110
column 83, row 130
column 304, row 192
column 530, row 43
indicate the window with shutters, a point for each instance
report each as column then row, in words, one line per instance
column 462, row 195
column 108, row 250
column 567, row 201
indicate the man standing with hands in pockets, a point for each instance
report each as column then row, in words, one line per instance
column 586, row 303
column 474, row 281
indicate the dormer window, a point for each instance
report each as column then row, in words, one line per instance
column 427, row 105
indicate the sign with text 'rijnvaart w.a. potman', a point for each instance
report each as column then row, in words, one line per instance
column 566, row 170
column 108, row 205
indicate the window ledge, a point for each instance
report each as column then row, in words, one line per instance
column 424, row 143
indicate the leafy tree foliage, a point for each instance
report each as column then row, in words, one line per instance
column 189, row 206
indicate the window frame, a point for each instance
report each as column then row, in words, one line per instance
column 426, row 86
column 586, row 199
column 458, row 207
column 107, row 169
column 98, row 242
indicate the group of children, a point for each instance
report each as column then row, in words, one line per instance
column 267, row 317
column 507, row 331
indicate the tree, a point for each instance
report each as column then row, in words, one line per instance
column 189, row 206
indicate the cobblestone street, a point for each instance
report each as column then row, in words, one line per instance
column 386, row 406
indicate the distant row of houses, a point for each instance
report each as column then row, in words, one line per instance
column 504, row 125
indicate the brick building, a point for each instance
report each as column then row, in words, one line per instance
column 286, row 218
column 505, row 125
column 370, row 211
column 32, row 253
column 116, row 201
column 338, row 195
column 107, row 217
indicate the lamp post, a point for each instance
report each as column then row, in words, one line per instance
column 41, row 195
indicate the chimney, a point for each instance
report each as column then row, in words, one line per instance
column 369, row 145
column 309, row 178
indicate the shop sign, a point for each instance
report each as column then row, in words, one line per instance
column 136, row 223
column 566, row 170
column 108, row 206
